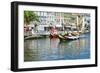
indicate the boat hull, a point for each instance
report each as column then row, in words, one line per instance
column 54, row 36
column 72, row 37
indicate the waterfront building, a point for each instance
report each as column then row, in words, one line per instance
column 61, row 20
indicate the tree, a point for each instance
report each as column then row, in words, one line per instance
column 30, row 16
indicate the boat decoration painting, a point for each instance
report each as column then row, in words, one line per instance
column 54, row 36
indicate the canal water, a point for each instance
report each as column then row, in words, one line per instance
column 46, row 49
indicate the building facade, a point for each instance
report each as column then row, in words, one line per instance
column 60, row 20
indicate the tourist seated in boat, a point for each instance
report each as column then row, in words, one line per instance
column 75, row 33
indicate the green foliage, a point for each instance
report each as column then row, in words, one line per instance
column 30, row 16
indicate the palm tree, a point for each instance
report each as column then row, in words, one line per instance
column 30, row 16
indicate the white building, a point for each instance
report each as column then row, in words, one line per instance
column 58, row 19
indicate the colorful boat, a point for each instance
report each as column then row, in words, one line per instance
column 72, row 36
column 68, row 37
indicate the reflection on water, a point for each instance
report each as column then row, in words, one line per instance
column 45, row 49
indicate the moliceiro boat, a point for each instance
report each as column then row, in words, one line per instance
column 69, row 36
